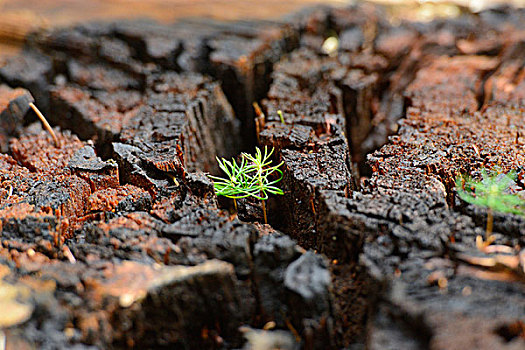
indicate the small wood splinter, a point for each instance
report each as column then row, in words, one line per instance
column 69, row 255
column 46, row 124
column 9, row 193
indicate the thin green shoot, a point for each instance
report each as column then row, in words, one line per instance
column 280, row 113
column 254, row 176
column 492, row 192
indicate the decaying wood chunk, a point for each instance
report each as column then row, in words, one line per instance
column 136, row 252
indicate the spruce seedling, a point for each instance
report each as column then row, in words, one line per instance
column 252, row 177
column 233, row 186
column 493, row 193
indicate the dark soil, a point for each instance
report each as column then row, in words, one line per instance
column 116, row 239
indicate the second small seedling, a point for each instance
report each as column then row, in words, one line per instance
column 493, row 193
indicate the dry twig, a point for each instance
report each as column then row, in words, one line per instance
column 46, row 124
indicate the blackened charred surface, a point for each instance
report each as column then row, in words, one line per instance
column 353, row 89
column 196, row 113
column 359, row 94
column 86, row 159
column 203, row 235
column 305, row 175
column 99, row 116
column 321, row 99
column 145, row 237
column 151, row 42
column 251, row 209
column 101, row 77
column 316, row 156
column 183, row 119
column 66, row 183
column 160, row 138
column 91, row 44
column 339, row 236
column 245, row 64
column 231, row 243
column 287, row 136
column 505, row 86
column 33, row 71
column 239, row 54
column 418, row 229
column 14, row 108
column 75, row 40
column 403, row 213
column 280, row 271
column 136, row 171
column 129, row 236
column 308, row 282
column 508, row 225
column 459, row 79
column 186, row 231
column 353, row 295
column 39, row 154
column 314, row 150
column 268, row 252
column 395, row 43
column 210, row 294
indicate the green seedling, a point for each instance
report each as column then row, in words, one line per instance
column 492, row 192
column 280, row 113
column 252, row 177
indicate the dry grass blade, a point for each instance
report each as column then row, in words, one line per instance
column 259, row 120
column 46, row 124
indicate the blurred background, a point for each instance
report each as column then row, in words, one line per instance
column 18, row 17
